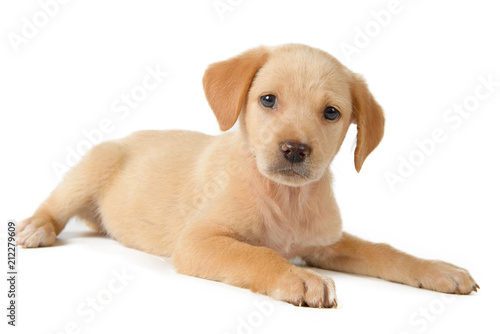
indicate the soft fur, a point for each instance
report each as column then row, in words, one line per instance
column 231, row 207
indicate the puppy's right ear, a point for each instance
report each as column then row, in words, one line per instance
column 226, row 84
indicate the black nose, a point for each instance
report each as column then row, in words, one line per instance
column 295, row 152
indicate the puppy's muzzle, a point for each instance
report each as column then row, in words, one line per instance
column 295, row 152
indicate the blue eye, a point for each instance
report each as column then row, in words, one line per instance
column 331, row 113
column 268, row 101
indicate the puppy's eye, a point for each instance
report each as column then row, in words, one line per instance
column 268, row 101
column 331, row 113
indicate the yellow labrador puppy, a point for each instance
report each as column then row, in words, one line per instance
column 235, row 207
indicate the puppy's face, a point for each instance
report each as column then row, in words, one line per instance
column 296, row 104
column 297, row 113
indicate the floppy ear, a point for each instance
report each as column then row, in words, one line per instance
column 368, row 116
column 226, row 84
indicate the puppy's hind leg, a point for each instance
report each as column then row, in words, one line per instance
column 77, row 194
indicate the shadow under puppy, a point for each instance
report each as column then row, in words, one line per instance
column 235, row 207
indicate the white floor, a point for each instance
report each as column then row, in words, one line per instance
column 91, row 284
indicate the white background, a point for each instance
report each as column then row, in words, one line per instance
column 431, row 55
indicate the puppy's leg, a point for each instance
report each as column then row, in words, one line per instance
column 354, row 255
column 77, row 194
column 223, row 258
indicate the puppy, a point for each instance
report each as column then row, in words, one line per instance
column 235, row 207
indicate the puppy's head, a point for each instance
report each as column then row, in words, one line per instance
column 295, row 105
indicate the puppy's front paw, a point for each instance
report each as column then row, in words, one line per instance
column 35, row 232
column 444, row 277
column 304, row 287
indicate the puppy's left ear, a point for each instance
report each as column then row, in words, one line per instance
column 226, row 84
column 369, row 118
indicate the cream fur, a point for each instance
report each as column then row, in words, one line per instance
column 231, row 207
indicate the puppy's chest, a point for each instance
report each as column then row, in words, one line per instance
column 290, row 226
